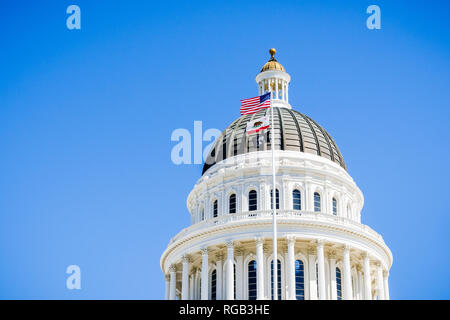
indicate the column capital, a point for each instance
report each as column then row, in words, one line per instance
column 385, row 273
column 366, row 255
column 259, row 240
column 229, row 244
column 320, row 242
column 332, row 254
column 204, row 251
column 311, row 250
column 173, row 268
column 378, row 264
column 291, row 239
column 346, row 247
column 186, row 258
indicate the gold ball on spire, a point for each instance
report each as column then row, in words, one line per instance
column 272, row 52
column 272, row 64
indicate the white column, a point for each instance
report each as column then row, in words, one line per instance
column 321, row 270
column 259, row 269
column 197, row 285
column 348, row 294
column 230, row 271
column 367, row 280
column 287, row 92
column 283, row 85
column 361, row 284
column 386, row 284
column 219, row 273
column 312, row 275
column 380, row 284
column 191, row 287
column 167, row 280
column 291, row 268
column 173, row 282
column 270, row 89
column 185, row 279
column 276, row 88
column 333, row 285
column 285, row 289
column 267, row 270
column 239, row 277
column 205, row 274
column 194, row 286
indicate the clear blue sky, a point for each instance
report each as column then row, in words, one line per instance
column 86, row 118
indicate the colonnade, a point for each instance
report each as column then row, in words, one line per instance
column 320, row 282
column 279, row 88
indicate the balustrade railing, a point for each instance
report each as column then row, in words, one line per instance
column 282, row 215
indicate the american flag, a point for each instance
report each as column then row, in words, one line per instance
column 253, row 105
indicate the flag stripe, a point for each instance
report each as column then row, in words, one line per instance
column 253, row 105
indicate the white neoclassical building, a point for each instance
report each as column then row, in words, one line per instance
column 324, row 251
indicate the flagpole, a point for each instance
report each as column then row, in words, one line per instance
column 274, row 194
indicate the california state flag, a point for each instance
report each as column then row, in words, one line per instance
column 257, row 125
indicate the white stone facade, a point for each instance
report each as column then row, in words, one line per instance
column 324, row 251
column 323, row 238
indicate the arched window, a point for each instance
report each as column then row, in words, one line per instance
column 213, row 285
column 339, row 284
column 202, row 214
column 277, row 199
column 252, row 280
column 299, row 280
column 296, row 200
column 316, row 202
column 335, row 206
column 278, row 276
column 215, row 209
column 233, row 203
column 252, row 200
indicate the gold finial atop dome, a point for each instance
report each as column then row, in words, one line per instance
column 272, row 52
column 272, row 64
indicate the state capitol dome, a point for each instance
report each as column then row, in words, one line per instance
column 294, row 131
column 229, row 249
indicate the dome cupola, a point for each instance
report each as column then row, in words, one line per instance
column 274, row 78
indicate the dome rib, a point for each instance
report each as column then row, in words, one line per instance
column 313, row 132
column 326, row 139
column 232, row 137
column 282, row 137
column 300, row 137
